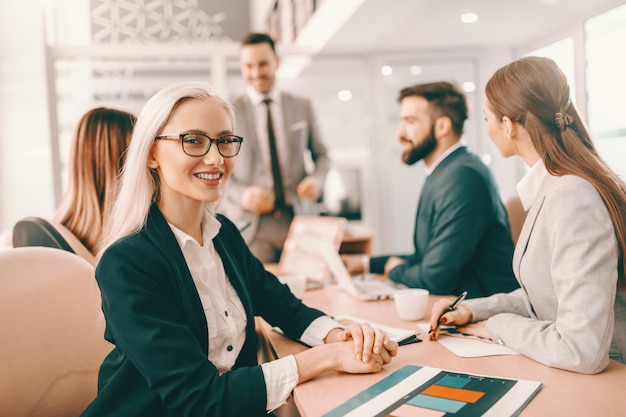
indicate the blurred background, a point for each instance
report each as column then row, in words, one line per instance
column 59, row 58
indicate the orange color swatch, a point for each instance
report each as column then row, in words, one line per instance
column 450, row 393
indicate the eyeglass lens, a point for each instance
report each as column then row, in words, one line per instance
column 198, row 145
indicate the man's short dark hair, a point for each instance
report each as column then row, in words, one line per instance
column 444, row 98
column 254, row 38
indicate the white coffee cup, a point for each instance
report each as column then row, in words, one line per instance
column 411, row 303
column 295, row 282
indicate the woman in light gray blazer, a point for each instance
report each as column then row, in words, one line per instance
column 570, row 311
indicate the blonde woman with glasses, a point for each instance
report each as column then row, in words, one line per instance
column 180, row 288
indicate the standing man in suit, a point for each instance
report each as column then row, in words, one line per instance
column 462, row 237
column 263, row 195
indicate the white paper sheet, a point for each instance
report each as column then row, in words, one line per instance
column 394, row 333
column 468, row 347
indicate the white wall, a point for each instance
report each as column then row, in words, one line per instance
column 26, row 180
column 26, row 186
column 508, row 171
column 259, row 12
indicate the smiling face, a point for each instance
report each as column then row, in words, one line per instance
column 416, row 130
column 258, row 66
column 188, row 181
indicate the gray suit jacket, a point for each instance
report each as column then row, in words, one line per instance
column 302, row 136
column 566, row 261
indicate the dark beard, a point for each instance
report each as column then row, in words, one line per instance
column 417, row 153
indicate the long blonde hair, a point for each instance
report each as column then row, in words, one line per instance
column 534, row 92
column 139, row 185
column 96, row 159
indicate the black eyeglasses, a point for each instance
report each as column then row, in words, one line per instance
column 197, row 144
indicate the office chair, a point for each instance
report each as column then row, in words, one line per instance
column 51, row 333
column 516, row 214
column 35, row 231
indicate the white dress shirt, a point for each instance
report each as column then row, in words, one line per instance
column 429, row 169
column 260, row 121
column 529, row 185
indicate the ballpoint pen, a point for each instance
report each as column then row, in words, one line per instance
column 410, row 339
column 450, row 308
column 454, row 332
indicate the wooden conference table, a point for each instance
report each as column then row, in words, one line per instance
column 563, row 393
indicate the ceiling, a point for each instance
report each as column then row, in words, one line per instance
column 401, row 25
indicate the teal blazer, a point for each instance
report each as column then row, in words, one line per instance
column 462, row 236
column 154, row 317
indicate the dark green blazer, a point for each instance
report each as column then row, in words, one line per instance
column 462, row 237
column 154, row 317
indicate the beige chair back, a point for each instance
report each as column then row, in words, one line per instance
column 517, row 216
column 51, row 333
column 78, row 247
column 36, row 231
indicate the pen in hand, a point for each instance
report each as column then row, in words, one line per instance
column 452, row 306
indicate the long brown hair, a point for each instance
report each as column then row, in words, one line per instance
column 97, row 154
column 534, row 92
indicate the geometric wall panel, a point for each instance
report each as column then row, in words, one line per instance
column 154, row 22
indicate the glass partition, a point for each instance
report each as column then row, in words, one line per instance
column 122, row 81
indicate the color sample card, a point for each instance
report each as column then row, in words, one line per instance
column 454, row 394
column 416, row 391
